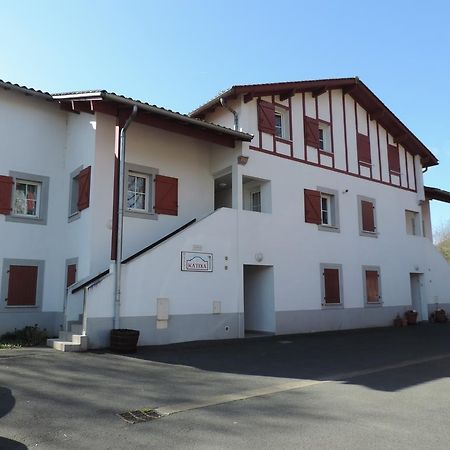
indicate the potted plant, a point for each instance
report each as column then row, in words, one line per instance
column 411, row 317
column 124, row 341
column 440, row 315
column 399, row 322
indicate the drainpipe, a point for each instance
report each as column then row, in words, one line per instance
column 224, row 103
column 120, row 217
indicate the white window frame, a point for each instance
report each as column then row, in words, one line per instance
column 38, row 197
column 43, row 182
column 326, row 137
column 149, row 173
column 146, row 192
column 284, row 122
column 332, row 197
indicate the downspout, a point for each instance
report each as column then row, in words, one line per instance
column 224, row 103
column 118, row 271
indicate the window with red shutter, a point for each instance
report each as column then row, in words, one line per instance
column 372, row 284
column 71, row 274
column 393, row 158
column 22, row 285
column 363, row 145
column 312, row 206
column 166, row 195
column 84, row 188
column 266, row 117
column 367, row 216
column 331, row 285
column 312, row 134
column 6, row 186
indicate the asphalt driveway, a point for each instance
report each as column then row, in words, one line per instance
column 381, row 388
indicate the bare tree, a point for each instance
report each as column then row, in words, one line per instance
column 442, row 239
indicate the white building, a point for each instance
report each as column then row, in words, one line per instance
column 314, row 218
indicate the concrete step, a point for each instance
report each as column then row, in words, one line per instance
column 76, row 343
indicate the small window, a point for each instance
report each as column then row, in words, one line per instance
column 324, row 137
column 367, row 217
column 331, row 284
column 256, row 200
column 138, row 192
column 322, row 208
column 27, row 197
column 371, row 281
column 282, row 124
column 412, row 223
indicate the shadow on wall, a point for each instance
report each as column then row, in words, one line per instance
column 7, row 403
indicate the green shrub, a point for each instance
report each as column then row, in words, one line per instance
column 26, row 337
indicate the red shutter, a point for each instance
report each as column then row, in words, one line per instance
column 312, row 207
column 6, row 184
column 368, row 217
column 22, row 285
column 363, row 148
column 266, row 117
column 84, row 188
column 166, row 195
column 393, row 158
column 373, row 296
column 311, row 127
column 71, row 274
column 331, row 284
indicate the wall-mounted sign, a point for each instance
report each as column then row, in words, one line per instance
column 196, row 262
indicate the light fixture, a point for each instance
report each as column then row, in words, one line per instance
column 242, row 160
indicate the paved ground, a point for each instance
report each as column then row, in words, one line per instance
column 373, row 389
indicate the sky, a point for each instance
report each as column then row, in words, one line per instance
column 179, row 54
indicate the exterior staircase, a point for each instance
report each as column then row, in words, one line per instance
column 70, row 341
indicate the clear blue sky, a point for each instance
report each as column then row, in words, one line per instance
column 178, row 54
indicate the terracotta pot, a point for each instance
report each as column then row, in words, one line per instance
column 411, row 317
column 440, row 316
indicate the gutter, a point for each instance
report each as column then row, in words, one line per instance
column 224, row 103
column 118, row 271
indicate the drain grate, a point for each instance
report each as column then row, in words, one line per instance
column 140, row 415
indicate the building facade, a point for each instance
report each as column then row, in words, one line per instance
column 314, row 218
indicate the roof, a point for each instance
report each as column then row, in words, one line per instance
column 432, row 193
column 353, row 86
column 7, row 86
column 111, row 97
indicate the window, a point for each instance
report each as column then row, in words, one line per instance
column 79, row 192
column 278, row 124
column 412, row 223
column 282, row 123
column 331, row 284
column 140, row 191
column 322, row 208
column 367, row 216
column 325, row 200
column 371, row 283
column 256, row 200
column 22, row 283
column 28, row 198
column 324, row 137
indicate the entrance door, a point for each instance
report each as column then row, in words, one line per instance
column 259, row 304
column 416, row 296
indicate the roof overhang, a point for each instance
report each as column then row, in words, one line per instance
column 432, row 193
column 352, row 86
column 151, row 115
column 29, row 92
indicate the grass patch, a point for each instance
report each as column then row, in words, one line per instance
column 25, row 337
